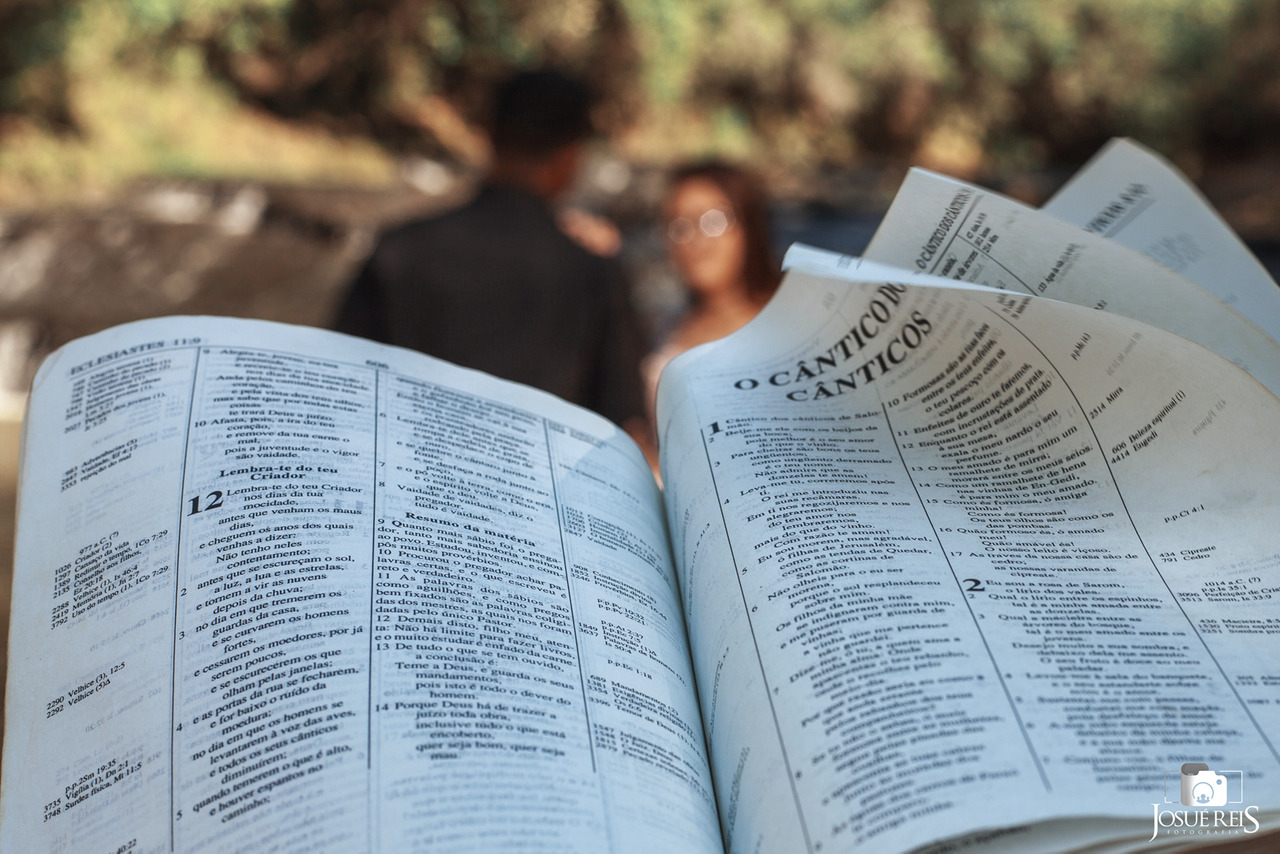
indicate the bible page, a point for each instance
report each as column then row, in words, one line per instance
column 281, row 589
column 964, row 562
column 945, row 228
column 1133, row 196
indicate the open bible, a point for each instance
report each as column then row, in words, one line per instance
column 934, row 567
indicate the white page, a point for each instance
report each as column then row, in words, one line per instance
column 1135, row 197
column 942, row 227
column 922, row 568
column 284, row 589
column 851, row 268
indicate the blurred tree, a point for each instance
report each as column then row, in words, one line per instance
column 394, row 68
column 962, row 85
column 971, row 80
column 33, row 78
column 136, row 101
column 1242, row 108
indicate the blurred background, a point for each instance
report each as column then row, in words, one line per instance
column 239, row 156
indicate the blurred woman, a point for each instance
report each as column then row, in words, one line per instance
column 718, row 238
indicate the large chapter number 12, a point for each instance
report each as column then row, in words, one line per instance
column 214, row 499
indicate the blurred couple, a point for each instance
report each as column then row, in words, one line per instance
column 504, row 285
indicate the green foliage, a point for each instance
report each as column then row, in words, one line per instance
column 151, row 16
column 959, row 84
column 32, row 39
column 164, row 116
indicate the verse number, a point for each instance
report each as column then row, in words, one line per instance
column 212, row 500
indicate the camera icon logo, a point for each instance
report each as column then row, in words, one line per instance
column 1202, row 787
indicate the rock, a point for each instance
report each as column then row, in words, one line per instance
column 184, row 247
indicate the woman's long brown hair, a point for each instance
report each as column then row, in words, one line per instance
column 745, row 192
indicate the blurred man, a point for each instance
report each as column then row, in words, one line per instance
column 496, row 284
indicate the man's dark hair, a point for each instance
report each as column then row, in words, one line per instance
column 537, row 112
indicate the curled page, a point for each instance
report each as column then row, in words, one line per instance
column 1133, row 196
column 964, row 564
column 946, row 228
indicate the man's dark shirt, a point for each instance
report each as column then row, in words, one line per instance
column 496, row 285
